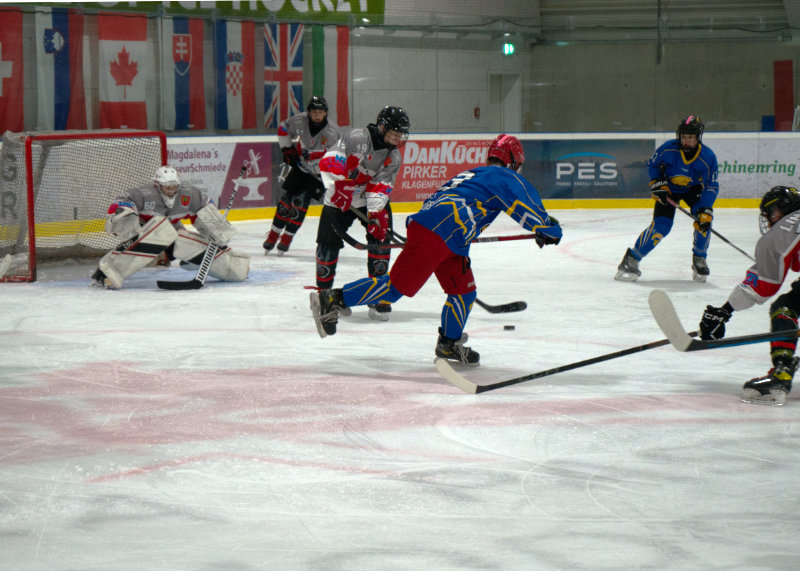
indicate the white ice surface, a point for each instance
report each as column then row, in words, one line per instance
column 213, row 429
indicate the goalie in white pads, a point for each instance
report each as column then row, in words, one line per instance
column 149, row 222
column 777, row 252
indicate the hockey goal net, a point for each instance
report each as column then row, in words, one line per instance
column 55, row 189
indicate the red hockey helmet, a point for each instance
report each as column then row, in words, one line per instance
column 508, row 149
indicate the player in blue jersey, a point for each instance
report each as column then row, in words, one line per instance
column 680, row 169
column 439, row 237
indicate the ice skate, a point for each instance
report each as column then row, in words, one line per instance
column 772, row 388
column 700, row 270
column 99, row 279
column 284, row 243
column 269, row 243
column 380, row 311
column 454, row 350
column 325, row 307
column 628, row 269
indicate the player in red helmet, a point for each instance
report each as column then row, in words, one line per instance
column 439, row 238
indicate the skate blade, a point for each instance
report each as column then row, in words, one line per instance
column 699, row 277
column 376, row 315
column 774, row 398
column 314, row 303
column 626, row 276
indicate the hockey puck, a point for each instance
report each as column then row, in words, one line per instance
column 509, row 327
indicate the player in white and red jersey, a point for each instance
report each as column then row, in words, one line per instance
column 777, row 252
column 148, row 220
column 358, row 173
column 304, row 138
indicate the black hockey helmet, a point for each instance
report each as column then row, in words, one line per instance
column 691, row 125
column 394, row 119
column 784, row 199
column 317, row 103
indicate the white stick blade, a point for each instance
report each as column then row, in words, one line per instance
column 667, row 319
column 453, row 377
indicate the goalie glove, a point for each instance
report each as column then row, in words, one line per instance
column 378, row 224
column 712, row 325
column 342, row 196
column 290, row 155
column 659, row 189
column 704, row 218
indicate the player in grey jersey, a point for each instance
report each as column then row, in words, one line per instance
column 358, row 173
column 149, row 222
column 777, row 252
column 304, row 138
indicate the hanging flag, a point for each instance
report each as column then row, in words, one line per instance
column 183, row 87
column 331, row 46
column 59, row 69
column 124, row 70
column 11, row 78
column 235, row 50
column 283, row 72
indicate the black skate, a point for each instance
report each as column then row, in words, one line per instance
column 270, row 242
column 454, row 350
column 99, row 279
column 325, row 307
column 380, row 311
column 628, row 269
column 772, row 388
column 700, row 270
column 284, row 243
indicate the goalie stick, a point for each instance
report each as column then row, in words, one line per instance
column 208, row 258
column 667, row 319
column 455, row 378
column 714, row 232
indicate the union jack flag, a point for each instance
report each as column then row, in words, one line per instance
column 283, row 72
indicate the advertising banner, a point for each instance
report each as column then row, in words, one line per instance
column 215, row 167
column 749, row 167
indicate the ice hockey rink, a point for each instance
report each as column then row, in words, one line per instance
column 214, row 429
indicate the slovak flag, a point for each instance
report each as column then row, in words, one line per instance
column 183, row 87
column 59, row 69
column 124, row 70
column 283, row 72
column 11, row 79
column 234, row 59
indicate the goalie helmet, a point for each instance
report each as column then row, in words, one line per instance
column 779, row 199
column 394, row 119
column 508, row 150
column 166, row 181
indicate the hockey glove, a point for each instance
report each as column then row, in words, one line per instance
column 704, row 218
column 378, row 224
column 712, row 326
column 660, row 190
column 290, row 155
column 343, row 194
column 548, row 235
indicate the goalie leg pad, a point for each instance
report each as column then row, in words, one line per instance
column 212, row 224
column 228, row 265
column 131, row 256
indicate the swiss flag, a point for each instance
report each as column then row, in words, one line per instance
column 11, row 94
column 124, row 70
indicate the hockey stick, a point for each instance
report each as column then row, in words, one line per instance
column 455, row 378
column 361, row 246
column 714, row 232
column 208, row 258
column 398, row 239
column 510, row 307
column 667, row 319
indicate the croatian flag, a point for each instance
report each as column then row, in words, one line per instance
column 184, row 89
column 11, row 84
column 234, row 51
column 59, row 69
column 283, row 72
column 123, row 70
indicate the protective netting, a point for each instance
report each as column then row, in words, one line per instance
column 73, row 178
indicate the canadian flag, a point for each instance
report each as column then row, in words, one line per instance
column 124, row 70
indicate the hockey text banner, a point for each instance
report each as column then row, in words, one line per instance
column 427, row 164
column 234, row 59
column 283, row 72
column 59, row 69
column 579, row 169
column 331, row 70
column 183, row 86
column 124, row 62
column 11, row 72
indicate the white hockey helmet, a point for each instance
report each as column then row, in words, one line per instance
column 166, row 181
